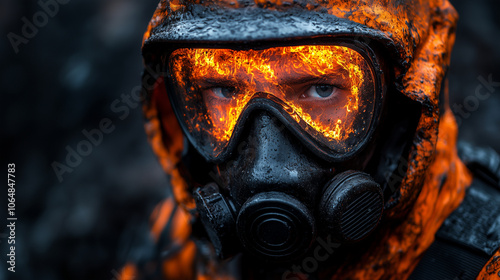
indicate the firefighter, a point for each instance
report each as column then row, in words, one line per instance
column 312, row 140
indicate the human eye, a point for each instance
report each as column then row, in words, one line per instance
column 320, row 91
column 221, row 92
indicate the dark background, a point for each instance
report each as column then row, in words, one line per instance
column 65, row 79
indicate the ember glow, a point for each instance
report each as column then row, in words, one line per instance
column 215, row 85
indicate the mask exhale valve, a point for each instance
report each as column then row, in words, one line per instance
column 277, row 226
column 351, row 206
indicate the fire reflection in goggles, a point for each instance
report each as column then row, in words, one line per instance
column 330, row 88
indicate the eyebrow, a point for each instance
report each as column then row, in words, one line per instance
column 283, row 77
column 289, row 79
column 204, row 82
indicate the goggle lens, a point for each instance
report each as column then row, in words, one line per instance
column 328, row 90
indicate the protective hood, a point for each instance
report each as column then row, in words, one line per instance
column 417, row 37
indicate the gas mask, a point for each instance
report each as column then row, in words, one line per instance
column 283, row 122
column 288, row 132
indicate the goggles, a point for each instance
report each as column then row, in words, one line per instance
column 327, row 95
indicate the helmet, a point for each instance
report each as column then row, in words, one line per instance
column 402, row 49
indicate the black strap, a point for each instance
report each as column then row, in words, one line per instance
column 470, row 235
column 445, row 260
column 484, row 162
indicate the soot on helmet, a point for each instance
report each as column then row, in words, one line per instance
column 276, row 198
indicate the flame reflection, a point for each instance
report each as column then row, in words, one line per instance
column 288, row 73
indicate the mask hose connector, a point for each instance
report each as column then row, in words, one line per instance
column 275, row 226
column 217, row 214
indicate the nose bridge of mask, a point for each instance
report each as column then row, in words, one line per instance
column 287, row 73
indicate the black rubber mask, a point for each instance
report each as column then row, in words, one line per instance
column 277, row 197
column 279, row 125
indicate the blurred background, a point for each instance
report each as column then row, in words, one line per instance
column 85, row 223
